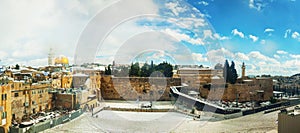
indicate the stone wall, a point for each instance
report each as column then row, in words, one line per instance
column 252, row 90
column 133, row 88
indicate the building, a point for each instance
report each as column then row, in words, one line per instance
column 29, row 98
column 288, row 121
column 5, row 105
column 89, row 79
column 51, row 57
column 211, row 85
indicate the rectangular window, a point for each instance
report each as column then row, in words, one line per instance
column 4, row 97
column 3, row 115
column 16, row 94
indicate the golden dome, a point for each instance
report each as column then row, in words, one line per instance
column 63, row 60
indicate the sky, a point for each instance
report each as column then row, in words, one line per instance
column 264, row 34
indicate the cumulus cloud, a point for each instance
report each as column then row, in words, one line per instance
column 256, row 55
column 236, row 32
column 175, row 8
column 203, row 3
column 219, row 37
column 242, row 56
column 199, row 57
column 294, row 56
column 276, row 56
column 269, row 30
column 295, row 35
column 287, row 33
column 256, row 62
column 253, row 38
column 257, row 5
column 184, row 37
column 281, row 52
column 30, row 28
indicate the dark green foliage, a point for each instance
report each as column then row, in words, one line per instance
column 17, row 67
column 108, row 70
column 226, row 71
column 233, row 74
column 163, row 69
column 134, row 70
column 273, row 100
column 229, row 72
column 145, row 70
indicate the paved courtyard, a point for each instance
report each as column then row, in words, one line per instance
column 115, row 121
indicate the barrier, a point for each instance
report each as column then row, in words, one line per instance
column 47, row 124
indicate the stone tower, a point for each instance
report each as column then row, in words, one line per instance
column 243, row 71
column 51, row 57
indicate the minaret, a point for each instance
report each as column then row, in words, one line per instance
column 51, row 57
column 243, row 71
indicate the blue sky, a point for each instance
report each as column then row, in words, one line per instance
column 265, row 34
column 262, row 33
column 270, row 27
column 278, row 15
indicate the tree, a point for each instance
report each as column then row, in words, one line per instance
column 108, row 70
column 229, row 72
column 226, row 71
column 145, row 70
column 165, row 68
column 17, row 67
column 134, row 70
column 233, row 74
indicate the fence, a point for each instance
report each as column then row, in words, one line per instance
column 47, row 124
column 272, row 106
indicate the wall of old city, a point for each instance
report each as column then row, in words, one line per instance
column 254, row 90
column 133, row 88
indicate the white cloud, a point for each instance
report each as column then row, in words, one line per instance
column 257, row 5
column 241, row 56
column 269, row 30
column 294, row 56
column 199, row 57
column 236, row 32
column 30, row 28
column 184, row 37
column 254, row 38
column 256, row 55
column 281, row 52
column 219, row 37
column 203, row 3
column 175, row 8
column 208, row 34
column 287, row 32
column 295, row 35
column 256, row 62
column 276, row 56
